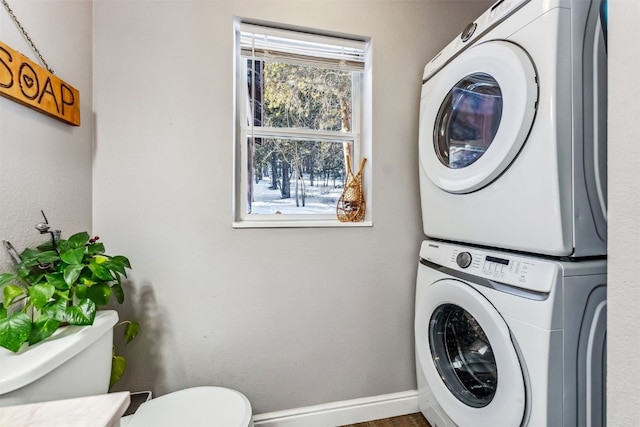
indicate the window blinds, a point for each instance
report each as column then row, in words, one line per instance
column 272, row 44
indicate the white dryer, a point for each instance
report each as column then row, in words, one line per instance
column 512, row 137
column 509, row 340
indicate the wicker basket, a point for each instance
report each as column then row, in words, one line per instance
column 351, row 205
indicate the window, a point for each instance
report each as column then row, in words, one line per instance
column 299, row 116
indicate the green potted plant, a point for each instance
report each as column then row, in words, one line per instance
column 61, row 282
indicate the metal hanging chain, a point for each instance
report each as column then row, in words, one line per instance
column 24, row 32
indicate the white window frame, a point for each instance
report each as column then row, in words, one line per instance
column 360, row 136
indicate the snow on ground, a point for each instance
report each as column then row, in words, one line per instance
column 320, row 199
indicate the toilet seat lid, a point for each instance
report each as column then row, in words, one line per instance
column 196, row 406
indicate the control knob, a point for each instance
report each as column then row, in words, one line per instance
column 468, row 31
column 464, row 259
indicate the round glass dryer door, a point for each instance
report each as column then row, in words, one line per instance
column 475, row 116
column 468, row 120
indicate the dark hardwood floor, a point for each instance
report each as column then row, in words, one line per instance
column 411, row 420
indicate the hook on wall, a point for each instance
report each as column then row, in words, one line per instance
column 43, row 228
column 15, row 257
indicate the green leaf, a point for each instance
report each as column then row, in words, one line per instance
column 118, row 366
column 99, row 270
column 87, row 281
column 3, row 312
column 73, row 256
column 41, row 293
column 81, row 314
column 14, row 331
column 43, row 328
column 62, row 294
column 10, row 293
column 132, row 330
column 62, row 246
column 81, row 291
column 95, row 248
column 56, row 310
column 118, row 292
column 31, row 276
column 87, row 277
column 71, row 273
column 99, row 259
column 99, row 294
column 29, row 257
column 78, row 240
column 46, row 246
column 23, row 271
column 116, row 267
column 118, row 264
column 6, row 278
column 119, row 259
column 47, row 257
column 57, row 280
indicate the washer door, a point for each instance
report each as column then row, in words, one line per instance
column 476, row 114
column 467, row 356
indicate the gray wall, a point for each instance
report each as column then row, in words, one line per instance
column 163, row 172
column 290, row 317
column 623, row 392
column 44, row 163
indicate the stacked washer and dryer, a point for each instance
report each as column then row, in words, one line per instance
column 510, row 325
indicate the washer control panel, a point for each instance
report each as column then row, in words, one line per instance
column 516, row 270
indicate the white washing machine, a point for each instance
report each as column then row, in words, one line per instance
column 512, row 137
column 508, row 340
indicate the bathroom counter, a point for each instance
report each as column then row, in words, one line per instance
column 103, row 410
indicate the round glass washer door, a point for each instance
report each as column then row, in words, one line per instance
column 475, row 116
column 463, row 355
column 464, row 349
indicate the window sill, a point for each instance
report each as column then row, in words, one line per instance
column 300, row 224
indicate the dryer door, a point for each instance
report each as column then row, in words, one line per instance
column 475, row 115
column 469, row 361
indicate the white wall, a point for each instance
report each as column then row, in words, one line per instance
column 290, row 317
column 623, row 398
column 44, row 163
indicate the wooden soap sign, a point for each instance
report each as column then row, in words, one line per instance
column 24, row 81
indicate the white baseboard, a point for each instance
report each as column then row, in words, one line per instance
column 345, row 412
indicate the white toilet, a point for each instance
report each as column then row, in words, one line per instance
column 76, row 362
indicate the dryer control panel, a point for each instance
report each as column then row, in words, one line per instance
column 521, row 271
column 500, row 11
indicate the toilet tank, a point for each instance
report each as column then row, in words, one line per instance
column 74, row 362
